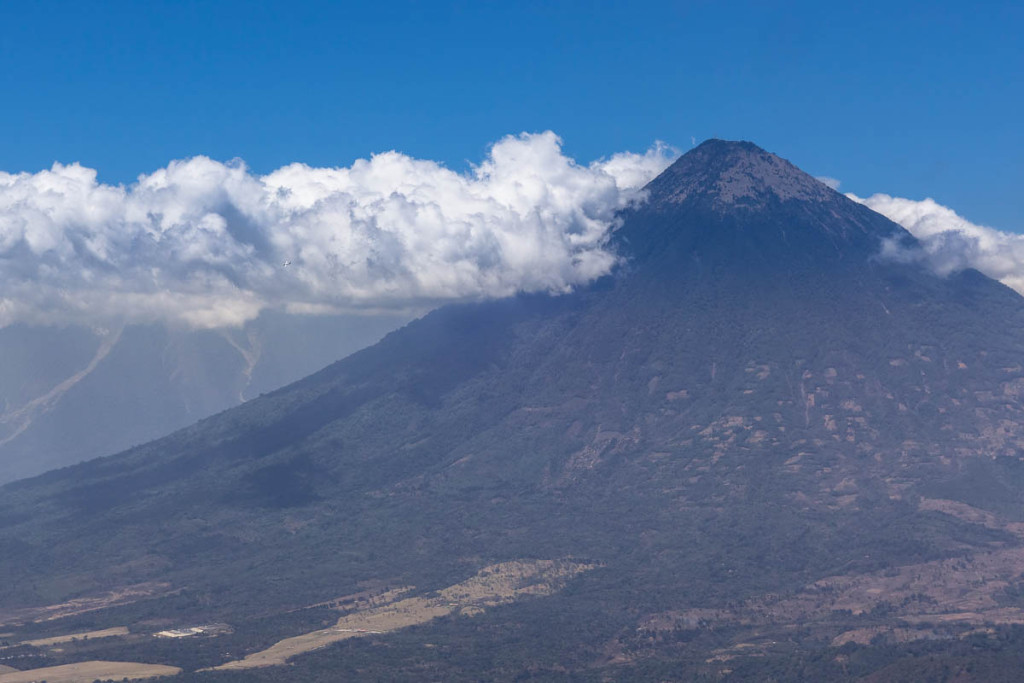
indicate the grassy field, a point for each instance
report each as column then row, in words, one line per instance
column 494, row 585
column 57, row 640
column 87, row 672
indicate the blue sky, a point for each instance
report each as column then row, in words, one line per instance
column 911, row 99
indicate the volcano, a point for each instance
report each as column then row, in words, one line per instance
column 758, row 449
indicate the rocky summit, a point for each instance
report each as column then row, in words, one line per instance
column 758, row 451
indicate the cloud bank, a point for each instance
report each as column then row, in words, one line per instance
column 207, row 244
column 949, row 242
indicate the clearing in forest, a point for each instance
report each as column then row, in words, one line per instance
column 87, row 672
column 71, row 637
column 497, row 584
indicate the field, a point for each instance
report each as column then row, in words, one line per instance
column 71, row 637
column 494, row 585
column 87, row 672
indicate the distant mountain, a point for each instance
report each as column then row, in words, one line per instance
column 758, row 451
column 70, row 394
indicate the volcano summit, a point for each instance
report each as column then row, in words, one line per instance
column 759, row 449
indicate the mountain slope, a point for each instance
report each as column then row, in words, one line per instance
column 753, row 429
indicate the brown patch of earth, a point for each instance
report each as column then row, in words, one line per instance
column 864, row 636
column 963, row 590
column 105, row 633
column 497, row 584
column 87, row 672
column 972, row 515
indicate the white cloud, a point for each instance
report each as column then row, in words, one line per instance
column 203, row 243
column 831, row 182
column 949, row 242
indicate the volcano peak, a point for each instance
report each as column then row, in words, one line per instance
column 735, row 174
column 732, row 204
